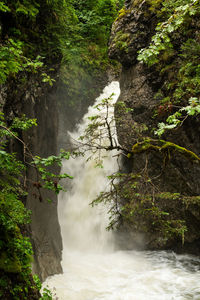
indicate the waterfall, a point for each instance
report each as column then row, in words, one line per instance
column 83, row 227
column 92, row 268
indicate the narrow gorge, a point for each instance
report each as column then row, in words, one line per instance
column 116, row 214
column 155, row 94
column 95, row 265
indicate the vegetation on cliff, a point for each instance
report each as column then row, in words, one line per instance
column 135, row 198
column 34, row 33
column 174, row 53
column 170, row 60
column 36, row 36
column 158, row 44
column 16, row 252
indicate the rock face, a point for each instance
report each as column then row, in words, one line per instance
column 56, row 112
column 173, row 175
column 131, row 31
column 37, row 100
column 45, row 228
column 73, row 103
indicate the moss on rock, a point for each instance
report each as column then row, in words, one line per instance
column 163, row 147
column 9, row 264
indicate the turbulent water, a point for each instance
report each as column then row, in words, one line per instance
column 92, row 268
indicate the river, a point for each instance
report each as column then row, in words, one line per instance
column 93, row 267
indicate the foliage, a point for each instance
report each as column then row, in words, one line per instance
column 34, row 35
column 13, row 60
column 85, row 49
column 15, row 248
column 46, row 293
column 122, row 40
column 178, row 63
column 29, row 34
column 72, row 29
column 44, row 32
column 177, row 12
column 50, row 180
column 173, row 54
column 100, row 134
column 135, row 199
column 179, row 116
column 132, row 198
column 164, row 147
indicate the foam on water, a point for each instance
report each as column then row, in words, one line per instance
column 92, row 268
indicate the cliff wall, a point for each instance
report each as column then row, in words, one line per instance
column 56, row 112
column 166, row 197
column 38, row 100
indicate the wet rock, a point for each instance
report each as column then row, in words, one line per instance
column 139, row 84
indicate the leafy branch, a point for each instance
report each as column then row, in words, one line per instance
column 178, row 118
column 49, row 180
column 161, row 40
column 100, row 134
column 134, row 199
column 16, row 249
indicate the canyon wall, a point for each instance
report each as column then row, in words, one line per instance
column 170, row 177
column 38, row 100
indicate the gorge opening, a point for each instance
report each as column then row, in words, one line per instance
column 94, row 267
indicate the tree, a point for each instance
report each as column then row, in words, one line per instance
column 15, row 247
column 135, row 198
column 179, row 97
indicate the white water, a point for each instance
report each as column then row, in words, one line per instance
column 93, row 269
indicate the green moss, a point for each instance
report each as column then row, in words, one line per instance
column 154, row 5
column 163, row 147
column 8, row 264
column 136, row 3
column 193, row 200
column 122, row 36
column 168, row 195
column 122, row 40
column 122, row 13
column 122, row 46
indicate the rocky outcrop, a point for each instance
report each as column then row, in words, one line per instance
column 57, row 111
column 131, row 31
column 38, row 100
column 168, row 172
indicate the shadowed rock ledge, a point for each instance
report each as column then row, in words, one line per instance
column 171, row 174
